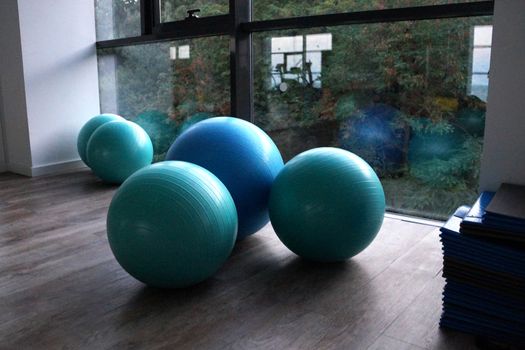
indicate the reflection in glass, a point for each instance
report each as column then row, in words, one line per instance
column 166, row 87
column 272, row 9
column 117, row 19
column 176, row 10
column 398, row 94
column 298, row 58
column 481, row 61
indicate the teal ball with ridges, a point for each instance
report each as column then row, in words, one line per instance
column 89, row 128
column 172, row 224
column 327, row 204
column 118, row 149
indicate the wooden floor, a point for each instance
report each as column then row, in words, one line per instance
column 60, row 286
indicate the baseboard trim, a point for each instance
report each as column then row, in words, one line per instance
column 19, row 169
column 58, row 168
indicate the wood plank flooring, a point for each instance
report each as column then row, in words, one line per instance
column 61, row 288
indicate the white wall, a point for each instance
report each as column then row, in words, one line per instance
column 60, row 75
column 12, row 91
column 504, row 149
column 3, row 166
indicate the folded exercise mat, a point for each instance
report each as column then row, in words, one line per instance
column 483, row 319
column 484, row 292
column 459, row 288
column 482, row 278
column 486, row 261
column 478, row 252
column 480, row 247
column 475, row 224
column 449, row 320
column 508, row 204
column 452, row 230
column 491, row 307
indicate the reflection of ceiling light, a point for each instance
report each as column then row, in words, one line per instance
column 179, row 52
column 184, row 52
column 287, row 44
column 173, row 53
column 319, row 42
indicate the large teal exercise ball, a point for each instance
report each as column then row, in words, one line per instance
column 117, row 149
column 87, row 130
column 327, row 204
column 242, row 156
column 172, row 224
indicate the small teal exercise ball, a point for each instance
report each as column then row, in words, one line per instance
column 327, row 205
column 242, row 156
column 88, row 129
column 117, row 149
column 172, row 224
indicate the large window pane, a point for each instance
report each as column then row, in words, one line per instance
column 176, row 10
column 166, row 87
column 117, row 19
column 273, row 9
column 397, row 94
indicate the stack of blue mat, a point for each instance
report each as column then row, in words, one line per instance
column 484, row 268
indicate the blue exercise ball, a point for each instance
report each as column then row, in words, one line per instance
column 172, row 224
column 87, row 130
column 117, row 149
column 327, row 204
column 242, row 156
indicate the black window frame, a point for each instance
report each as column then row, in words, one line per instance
column 238, row 25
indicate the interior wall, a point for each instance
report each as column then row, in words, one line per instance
column 3, row 166
column 60, row 75
column 504, row 149
column 12, row 92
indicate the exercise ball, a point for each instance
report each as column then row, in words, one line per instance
column 88, row 129
column 172, row 224
column 327, row 204
column 242, row 156
column 117, row 149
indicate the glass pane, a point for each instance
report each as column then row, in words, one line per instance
column 400, row 95
column 481, row 59
column 166, row 87
column 272, row 9
column 482, row 35
column 117, row 19
column 176, row 10
column 480, row 86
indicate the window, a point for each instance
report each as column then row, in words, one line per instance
column 176, row 10
column 166, row 87
column 482, row 41
column 117, row 19
column 272, row 9
column 393, row 93
column 405, row 88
